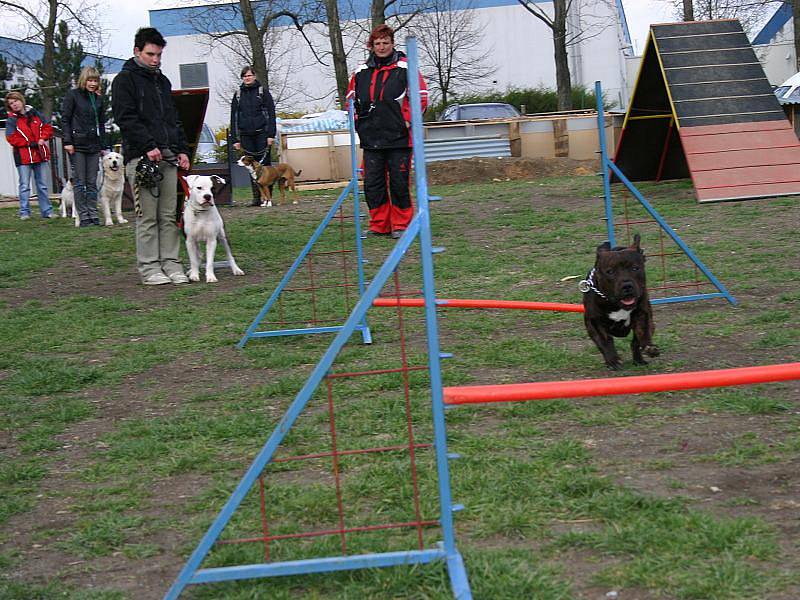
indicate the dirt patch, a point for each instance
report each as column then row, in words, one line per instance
column 483, row 170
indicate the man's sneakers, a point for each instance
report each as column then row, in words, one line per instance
column 24, row 217
column 397, row 234
column 178, row 277
column 160, row 278
column 156, row 279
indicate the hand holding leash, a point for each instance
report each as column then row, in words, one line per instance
column 183, row 162
column 154, row 155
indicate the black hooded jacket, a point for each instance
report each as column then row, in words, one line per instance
column 145, row 112
column 84, row 124
column 252, row 111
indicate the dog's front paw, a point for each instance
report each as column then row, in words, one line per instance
column 121, row 220
column 651, row 350
column 237, row 271
column 614, row 363
column 109, row 223
column 295, row 202
column 194, row 276
column 211, row 278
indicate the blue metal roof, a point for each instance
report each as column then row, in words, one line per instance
column 190, row 20
column 773, row 26
column 24, row 52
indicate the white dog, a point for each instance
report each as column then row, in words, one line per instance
column 113, row 186
column 68, row 203
column 203, row 223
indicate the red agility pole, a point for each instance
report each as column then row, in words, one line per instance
column 463, row 303
column 669, row 382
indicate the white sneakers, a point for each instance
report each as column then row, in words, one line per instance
column 24, row 217
column 156, row 279
column 178, row 277
column 160, row 279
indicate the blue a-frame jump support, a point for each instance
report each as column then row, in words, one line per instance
column 351, row 189
column 446, row 550
column 607, row 167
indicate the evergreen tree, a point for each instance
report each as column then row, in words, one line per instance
column 68, row 56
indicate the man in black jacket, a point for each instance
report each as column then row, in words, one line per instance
column 253, row 125
column 154, row 147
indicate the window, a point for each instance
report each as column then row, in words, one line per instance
column 194, row 75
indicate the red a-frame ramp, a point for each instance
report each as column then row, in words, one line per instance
column 702, row 107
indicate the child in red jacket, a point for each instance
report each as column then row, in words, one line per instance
column 28, row 132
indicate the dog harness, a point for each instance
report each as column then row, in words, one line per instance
column 587, row 285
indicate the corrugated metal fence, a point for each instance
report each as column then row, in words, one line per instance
column 466, row 147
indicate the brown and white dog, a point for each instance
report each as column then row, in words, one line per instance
column 112, row 188
column 265, row 176
column 203, row 223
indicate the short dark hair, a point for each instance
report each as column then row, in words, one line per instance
column 247, row 69
column 148, row 35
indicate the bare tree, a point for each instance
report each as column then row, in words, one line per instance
column 41, row 18
column 688, row 10
column 750, row 13
column 451, row 52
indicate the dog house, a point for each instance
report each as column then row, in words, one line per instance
column 702, row 108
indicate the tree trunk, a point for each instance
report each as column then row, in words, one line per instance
column 688, row 10
column 796, row 24
column 563, row 81
column 337, row 51
column 378, row 13
column 256, row 39
column 48, row 61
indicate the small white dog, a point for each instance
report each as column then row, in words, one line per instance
column 68, row 203
column 113, row 186
column 203, row 223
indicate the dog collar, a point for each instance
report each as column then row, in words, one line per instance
column 587, row 285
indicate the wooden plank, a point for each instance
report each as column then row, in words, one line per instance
column 745, row 192
column 744, row 158
column 735, row 127
column 746, row 176
column 738, row 141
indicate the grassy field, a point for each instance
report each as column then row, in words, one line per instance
column 128, row 416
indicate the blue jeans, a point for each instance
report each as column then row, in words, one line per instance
column 38, row 171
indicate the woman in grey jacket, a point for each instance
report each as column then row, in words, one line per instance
column 83, row 118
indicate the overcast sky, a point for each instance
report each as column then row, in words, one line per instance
column 127, row 17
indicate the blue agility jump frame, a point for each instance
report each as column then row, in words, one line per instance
column 608, row 167
column 446, row 550
column 351, row 189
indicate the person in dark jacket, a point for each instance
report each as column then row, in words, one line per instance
column 253, row 122
column 84, row 123
column 28, row 133
column 379, row 89
column 155, row 148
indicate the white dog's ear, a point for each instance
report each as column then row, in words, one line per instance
column 219, row 179
column 188, row 179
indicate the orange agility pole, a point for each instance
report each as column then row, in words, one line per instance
column 640, row 384
column 505, row 304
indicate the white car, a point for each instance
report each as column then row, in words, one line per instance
column 789, row 91
column 206, row 146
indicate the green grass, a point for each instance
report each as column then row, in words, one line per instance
column 127, row 413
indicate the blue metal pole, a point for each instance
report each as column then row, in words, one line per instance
column 601, row 133
column 456, row 571
column 366, row 334
column 671, row 233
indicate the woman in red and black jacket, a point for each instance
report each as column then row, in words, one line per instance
column 379, row 89
column 28, row 133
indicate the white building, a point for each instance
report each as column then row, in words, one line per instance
column 517, row 44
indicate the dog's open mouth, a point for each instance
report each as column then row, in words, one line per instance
column 628, row 302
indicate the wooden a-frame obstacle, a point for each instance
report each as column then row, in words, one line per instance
column 446, row 550
column 703, row 108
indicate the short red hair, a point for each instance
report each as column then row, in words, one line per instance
column 381, row 31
